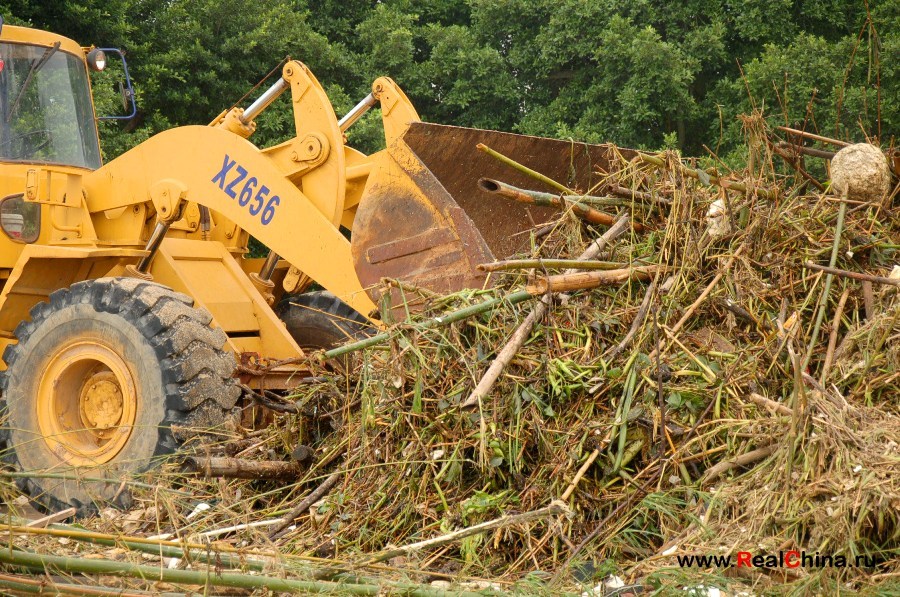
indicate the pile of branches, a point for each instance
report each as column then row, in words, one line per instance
column 733, row 388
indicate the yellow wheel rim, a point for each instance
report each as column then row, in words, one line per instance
column 86, row 403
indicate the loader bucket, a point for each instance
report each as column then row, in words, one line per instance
column 424, row 219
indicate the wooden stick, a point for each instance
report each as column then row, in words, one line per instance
column 522, row 333
column 770, row 404
column 239, row 468
column 869, row 298
column 703, row 295
column 304, row 505
column 581, row 471
column 635, row 325
column 555, row 508
column 41, row 523
column 713, row 472
column 854, row 275
column 588, row 280
column 832, row 339
column 810, row 151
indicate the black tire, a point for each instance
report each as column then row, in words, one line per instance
column 320, row 320
column 172, row 361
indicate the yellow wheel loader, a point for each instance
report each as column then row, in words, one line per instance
column 127, row 301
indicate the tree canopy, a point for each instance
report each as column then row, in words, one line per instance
column 641, row 74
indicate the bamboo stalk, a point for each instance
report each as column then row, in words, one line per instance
column 826, row 291
column 523, row 169
column 713, row 180
column 555, row 507
column 33, row 585
column 832, row 338
column 66, row 477
column 810, row 151
column 517, row 264
column 792, row 160
column 223, row 555
column 512, row 299
column 581, row 471
column 635, row 325
column 641, row 195
column 689, row 312
column 210, row 578
column 585, row 212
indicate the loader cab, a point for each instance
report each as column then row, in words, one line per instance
column 46, row 112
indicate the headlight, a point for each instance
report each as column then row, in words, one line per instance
column 96, row 59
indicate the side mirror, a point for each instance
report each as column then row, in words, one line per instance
column 126, row 88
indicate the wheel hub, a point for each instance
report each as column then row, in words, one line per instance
column 87, row 403
column 101, row 401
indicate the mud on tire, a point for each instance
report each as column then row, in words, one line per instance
column 169, row 357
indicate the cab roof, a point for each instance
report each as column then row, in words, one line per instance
column 12, row 33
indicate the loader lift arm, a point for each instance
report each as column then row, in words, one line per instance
column 230, row 176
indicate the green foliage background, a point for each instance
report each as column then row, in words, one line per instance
column 640, row 73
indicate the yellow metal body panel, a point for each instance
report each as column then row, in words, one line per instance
column 228, row 174
column 207, row 272
column 42, row 269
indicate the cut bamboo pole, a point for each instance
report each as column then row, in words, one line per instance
column 50, row 563
column 585, row 212
column 523, row 169
column 813, row 136
column 640, row 195
column 588, row 280
column 826, row 291
column 239, row 468
column 44, row 586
